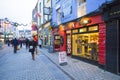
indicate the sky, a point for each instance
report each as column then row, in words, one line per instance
column 17, row 10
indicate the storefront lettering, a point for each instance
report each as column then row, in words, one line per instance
column 115, row 13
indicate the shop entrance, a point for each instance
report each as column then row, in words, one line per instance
column 68, row 44
column 86, row 45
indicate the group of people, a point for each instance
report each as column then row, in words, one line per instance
column 30, row 44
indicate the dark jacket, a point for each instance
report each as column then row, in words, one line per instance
column 15, row 42
column 31, row 43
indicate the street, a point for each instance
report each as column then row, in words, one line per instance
column 20, row 66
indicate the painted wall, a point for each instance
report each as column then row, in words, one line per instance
column 94, row 5
column 69, row 9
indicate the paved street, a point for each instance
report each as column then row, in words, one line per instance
column 46, row 66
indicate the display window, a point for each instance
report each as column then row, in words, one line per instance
column 57, row 42
column 85, row 45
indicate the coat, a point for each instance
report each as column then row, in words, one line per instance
column 31, row 46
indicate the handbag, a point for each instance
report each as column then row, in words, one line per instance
column 31, row 47
column 18, row 47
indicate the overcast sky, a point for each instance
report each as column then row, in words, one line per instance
column 17, row 10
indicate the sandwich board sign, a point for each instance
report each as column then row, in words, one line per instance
column 62, row 58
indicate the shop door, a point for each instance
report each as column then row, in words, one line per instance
column 68, row 44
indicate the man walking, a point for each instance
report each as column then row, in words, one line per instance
column 15, row 44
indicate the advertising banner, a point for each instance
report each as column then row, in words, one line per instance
column 62, row 58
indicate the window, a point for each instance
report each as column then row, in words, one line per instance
column 81, row 2
column 57, row 37
column 83, row 30
column 93, row 28
column 58, row 16
column 75, row 31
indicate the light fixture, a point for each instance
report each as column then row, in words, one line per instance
column 85, row 21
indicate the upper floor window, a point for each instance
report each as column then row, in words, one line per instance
column 58, row 16
column 81, row 2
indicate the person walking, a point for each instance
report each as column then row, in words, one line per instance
column 32, row 48
column 26, row 42
column 15, row 44
column 40, row 43
column 35, row 38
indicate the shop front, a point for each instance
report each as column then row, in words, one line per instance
column 85, row 42
column 111, row 15
column 88, row 39
column 56, row 39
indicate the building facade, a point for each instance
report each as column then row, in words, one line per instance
column 111, row 16
column 43, row 21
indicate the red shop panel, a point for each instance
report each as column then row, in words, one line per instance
column 102, row 60
column 102, row 31
column 101, row 52
column 102, row 28
column 101, row 35
column 102, row 47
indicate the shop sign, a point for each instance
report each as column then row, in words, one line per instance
column 114, row 11
column 62, row 57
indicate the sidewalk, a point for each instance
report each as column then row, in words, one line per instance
column 79, row 70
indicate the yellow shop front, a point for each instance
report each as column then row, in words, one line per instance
column 83, row 41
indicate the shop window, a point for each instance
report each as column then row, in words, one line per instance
column 83, row 30
column 58, row 16
column 85, row 45
column 56, row 42
column 93, row 28
column 57, row 37
column 75, row 31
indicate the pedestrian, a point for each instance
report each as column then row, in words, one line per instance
column 32, row 48
column 27, row 43
column 40, row 43
column 21, row 42
column 35, row 38
column 8, row 42
column 15, row 44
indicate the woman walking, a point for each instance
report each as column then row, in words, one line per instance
column 32, row 48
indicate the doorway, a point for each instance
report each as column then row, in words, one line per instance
column 68, row 45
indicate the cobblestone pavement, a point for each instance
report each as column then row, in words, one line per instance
column 80, row 70
column 46, row 66
column 20, row 66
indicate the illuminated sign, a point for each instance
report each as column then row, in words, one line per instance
column 114, row 11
